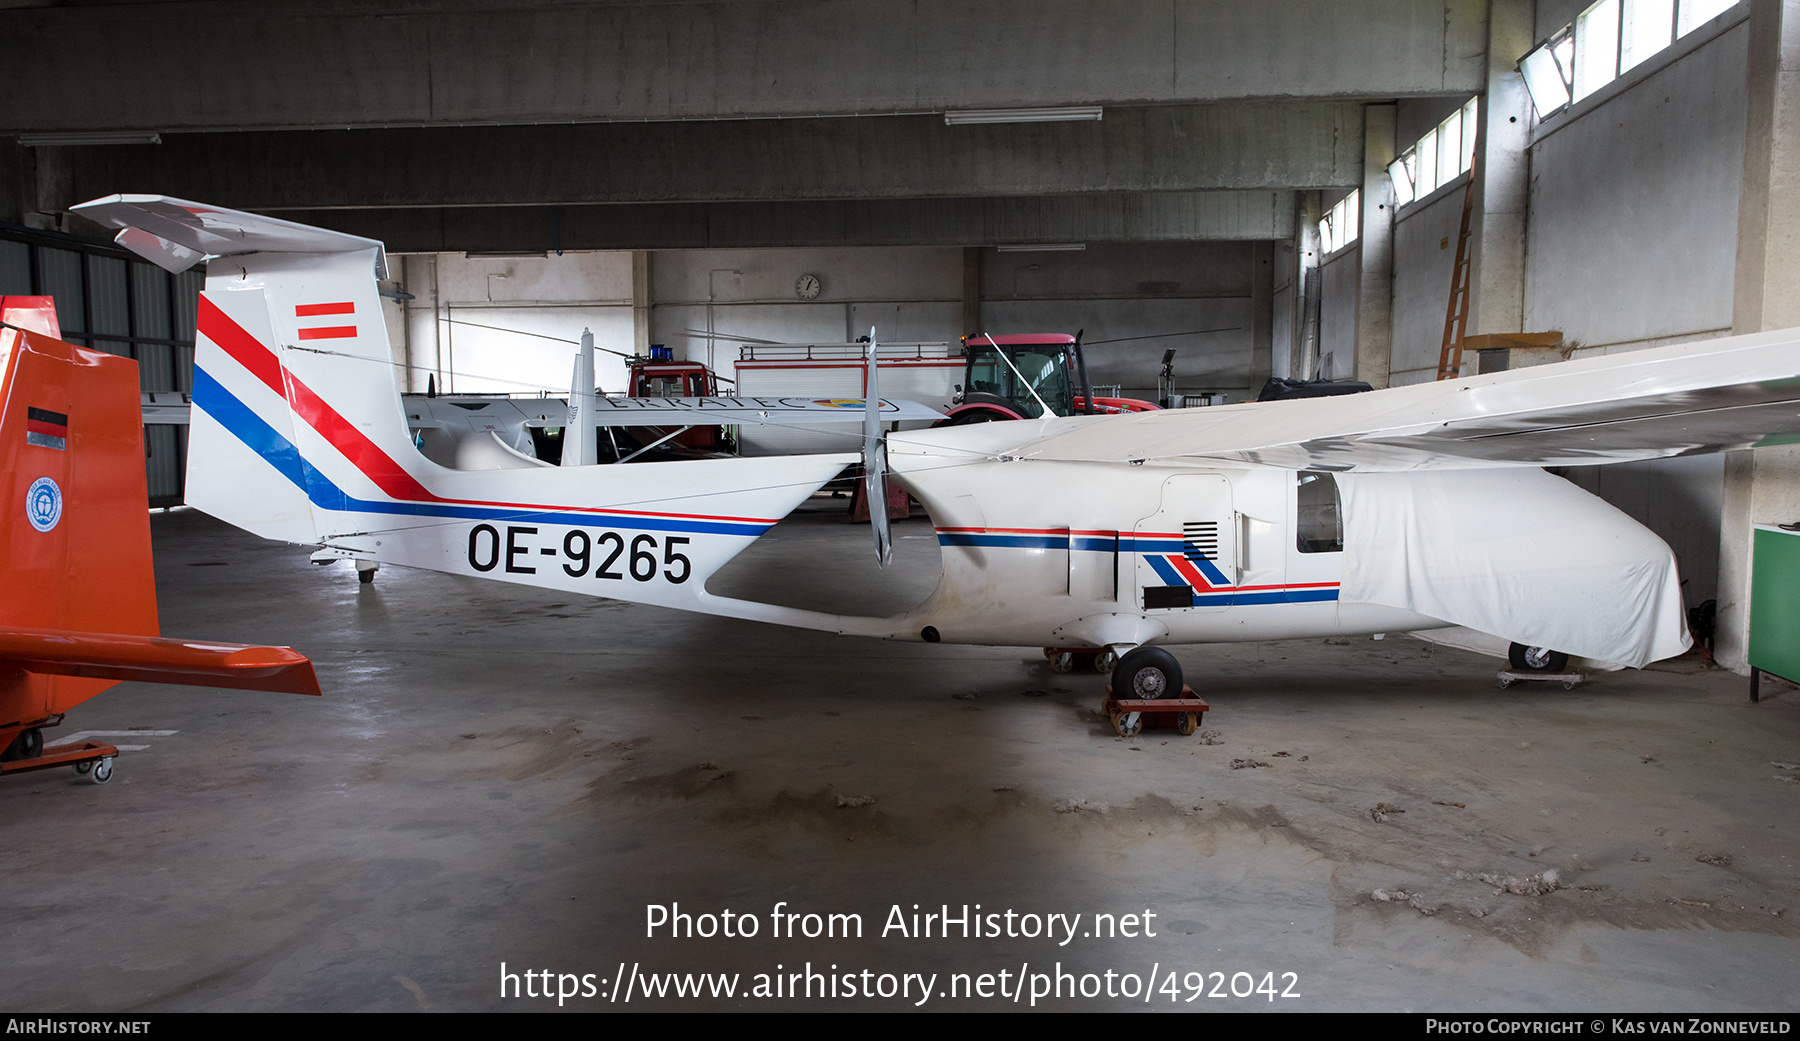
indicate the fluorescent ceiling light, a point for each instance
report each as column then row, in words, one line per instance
column 92, row 137
column 1043, row 247
column 1024, row 115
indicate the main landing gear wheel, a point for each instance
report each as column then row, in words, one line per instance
column 1148, row 674
column 1536, row 659
column 102, row 771
column 1143, row 674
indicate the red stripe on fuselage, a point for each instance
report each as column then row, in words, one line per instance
column 308, row 310
column 353, row 444
column 329, row 332
column 1188, row 571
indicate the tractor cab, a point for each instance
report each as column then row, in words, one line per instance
column 1014, row 377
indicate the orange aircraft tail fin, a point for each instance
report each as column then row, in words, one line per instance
column 79, row 612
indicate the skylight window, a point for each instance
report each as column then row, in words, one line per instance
column 1607, row 40
column 1696, row 13
column 1342, row 225
column 1646, row 27
column 1596, row 48
column 1444, row 153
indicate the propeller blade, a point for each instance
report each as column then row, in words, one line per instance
column 875, row 460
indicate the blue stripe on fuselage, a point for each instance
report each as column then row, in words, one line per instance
column 244, row 424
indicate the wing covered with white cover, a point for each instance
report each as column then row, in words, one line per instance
column 1706, row 396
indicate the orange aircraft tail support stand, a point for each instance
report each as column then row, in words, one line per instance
column 79, row 613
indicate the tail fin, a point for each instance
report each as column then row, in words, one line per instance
column 299, row 434
column 80, row 606
column 290, row 318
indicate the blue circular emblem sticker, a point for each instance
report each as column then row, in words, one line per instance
column 43, row 504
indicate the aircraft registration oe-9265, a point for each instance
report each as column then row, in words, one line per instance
column 1402, row 509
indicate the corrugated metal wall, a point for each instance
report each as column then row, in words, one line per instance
column 113, row 302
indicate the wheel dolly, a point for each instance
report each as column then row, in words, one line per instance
column 87, row 757
column 1508, row 677
column 1130, row 716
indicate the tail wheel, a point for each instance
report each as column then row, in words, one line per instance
column 1536, row 659
column 1147, row 673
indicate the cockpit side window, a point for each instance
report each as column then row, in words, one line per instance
column 1319, row 523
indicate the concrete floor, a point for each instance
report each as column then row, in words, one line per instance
column 502, row 775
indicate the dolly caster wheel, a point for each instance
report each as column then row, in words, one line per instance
column 103, row 771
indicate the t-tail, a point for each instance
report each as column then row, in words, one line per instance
column 298, row 433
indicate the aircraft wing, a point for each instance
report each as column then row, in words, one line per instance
column 118, row 656
column 1706, row 396
column 664, row 412
column 177, row 234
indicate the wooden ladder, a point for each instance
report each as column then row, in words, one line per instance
column 1456, row 313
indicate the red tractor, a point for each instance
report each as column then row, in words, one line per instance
column 1004, row 377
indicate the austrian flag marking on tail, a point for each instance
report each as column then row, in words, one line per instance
column 46, row 429
column 326, row 332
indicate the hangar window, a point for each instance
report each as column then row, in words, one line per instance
column 1341, row 226
column 1445, row 153
column 1607, row 40
column 1319, row 524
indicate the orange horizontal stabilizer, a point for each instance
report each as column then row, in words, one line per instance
column 154, row 659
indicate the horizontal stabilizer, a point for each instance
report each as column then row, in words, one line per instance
column 151, row 659
column 176, row 234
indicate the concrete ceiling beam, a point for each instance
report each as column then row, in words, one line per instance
column 1166, row 148
column 1162, row 216
column 187, row 65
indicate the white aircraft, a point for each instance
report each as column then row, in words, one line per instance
column 1396, row 510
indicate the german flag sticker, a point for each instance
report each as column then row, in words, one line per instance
column 46, row 429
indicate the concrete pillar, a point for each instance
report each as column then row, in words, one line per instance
column 1763, row 486
column 1502, row 195
column 1375, row 252
column 971, row 290
column 1306, row 332
column 1262, row 313
column 641, row 302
